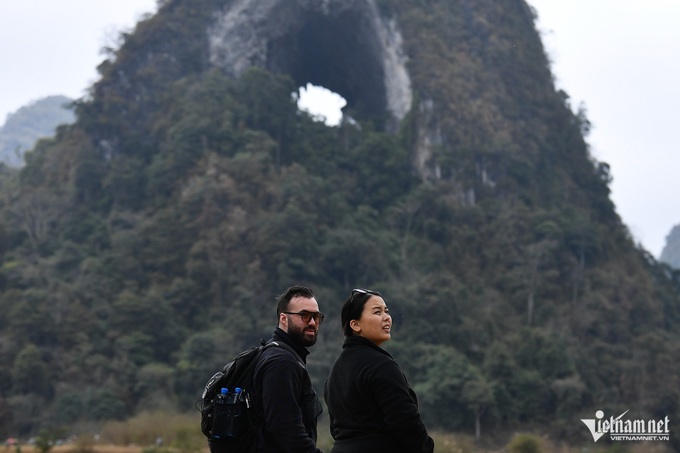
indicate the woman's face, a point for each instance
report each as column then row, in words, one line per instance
column 375, row 322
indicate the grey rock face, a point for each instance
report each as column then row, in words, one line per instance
column 671, row 251
column 31, row 122
column 344, row 45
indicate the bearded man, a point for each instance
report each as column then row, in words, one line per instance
column 290, row 406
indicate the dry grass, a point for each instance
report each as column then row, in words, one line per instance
column 74, row 448
column 445, row 443
column 180, row 434
column 98, row 448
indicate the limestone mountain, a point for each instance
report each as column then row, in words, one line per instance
column 671, row 251
column 34, row 121
column 146, row 242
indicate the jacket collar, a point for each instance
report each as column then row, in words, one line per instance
column 280, row 335
column 357, row 341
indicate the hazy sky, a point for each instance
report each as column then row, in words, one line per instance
column 619, row 58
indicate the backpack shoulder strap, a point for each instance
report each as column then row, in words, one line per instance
column 283, row 345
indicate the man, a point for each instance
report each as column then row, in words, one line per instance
column 290, row 406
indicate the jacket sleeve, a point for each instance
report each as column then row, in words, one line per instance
column 281, row 385
column 399, row 405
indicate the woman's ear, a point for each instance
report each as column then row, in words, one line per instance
column 354, row 325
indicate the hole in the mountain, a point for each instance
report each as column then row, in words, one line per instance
column 322, row 103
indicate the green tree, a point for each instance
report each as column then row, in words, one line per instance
column 477, row 393
column 47, row 439
column 443, row 375
column 31, row 373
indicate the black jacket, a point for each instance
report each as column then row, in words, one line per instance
column 290, row 406
column 371, row 406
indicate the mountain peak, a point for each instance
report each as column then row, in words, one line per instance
column 346, row 46
column 671, row 251
column 31, row 122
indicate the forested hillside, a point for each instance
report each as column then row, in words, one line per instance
column 143, row 245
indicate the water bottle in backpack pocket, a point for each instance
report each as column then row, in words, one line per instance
column 230, row 420
column 232, row 429
column 230, row 414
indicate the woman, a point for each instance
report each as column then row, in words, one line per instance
column 371, row 406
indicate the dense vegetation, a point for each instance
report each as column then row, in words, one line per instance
column 143, row 246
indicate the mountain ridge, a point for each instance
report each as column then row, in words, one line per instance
column 38, row 119
column 671, row 251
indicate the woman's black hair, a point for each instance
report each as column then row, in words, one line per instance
column 353, row 307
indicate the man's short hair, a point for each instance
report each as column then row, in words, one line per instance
column 284, row 299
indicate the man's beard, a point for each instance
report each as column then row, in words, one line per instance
column 298, row 335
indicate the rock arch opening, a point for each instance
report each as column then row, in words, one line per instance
column 337, row 53
column 322, row 103
column 342, row 45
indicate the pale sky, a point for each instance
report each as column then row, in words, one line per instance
column 619, row 58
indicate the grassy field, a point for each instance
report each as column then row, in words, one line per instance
column 445, row 443
column 180, row 433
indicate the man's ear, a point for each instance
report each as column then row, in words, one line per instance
column 283, row 322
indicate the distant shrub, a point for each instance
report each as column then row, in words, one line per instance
column 525, row 443
column 84, row 443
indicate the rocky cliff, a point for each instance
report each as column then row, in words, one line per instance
column 467, row 72
column 24, row 127
column 671, row 251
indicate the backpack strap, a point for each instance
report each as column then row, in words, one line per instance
column 286, row 347
column 249, row 371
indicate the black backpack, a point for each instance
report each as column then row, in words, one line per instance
column 230, row 414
